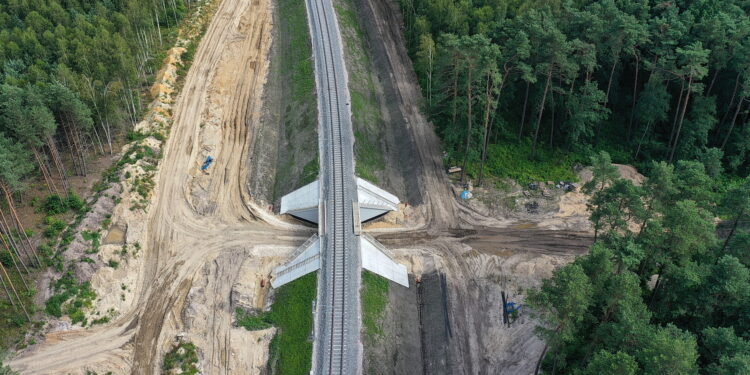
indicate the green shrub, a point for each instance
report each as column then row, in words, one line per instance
column 113, row 263
column 252, row 320
column 78, row 316
column 75, row 203
column 67, row 238
column 17, row 321
column 53, row 306
column 6, row 259
column 94, row 238
column 374, row 301
column 102, row 320
column 71, row 298
column 159, row 136
column 183, row 356
column 291, row 313
column 135, row 136
column 54, row 227
column 55, row 205
column 47, row 254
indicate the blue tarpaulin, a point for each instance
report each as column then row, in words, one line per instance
column 207, row 163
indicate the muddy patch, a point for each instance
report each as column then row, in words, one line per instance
column 116, row 235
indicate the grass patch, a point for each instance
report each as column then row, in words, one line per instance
column 512, row 160
column 348, row 19
column 291, row 313
column 369, row 159
column 54, row 226
column 183, row 356
column 71, row 298
column 310, row 171
column 5, row 370
column 296, row 82
column 252, row 320
column 297, row 57
column 367, row 120
column 374, row 300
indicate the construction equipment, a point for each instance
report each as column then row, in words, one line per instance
column 511, row 307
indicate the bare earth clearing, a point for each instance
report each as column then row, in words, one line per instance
column 206, row 245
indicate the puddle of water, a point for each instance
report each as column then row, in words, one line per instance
column 115, row 236
column 524, row 225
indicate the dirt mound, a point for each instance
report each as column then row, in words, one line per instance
column 626, row 171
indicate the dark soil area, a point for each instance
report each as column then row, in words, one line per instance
column 398, row 350
column 435, row 323
column 417, row 334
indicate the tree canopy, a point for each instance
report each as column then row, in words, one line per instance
column 71, row 74
column 658, row 293
column 642, row 80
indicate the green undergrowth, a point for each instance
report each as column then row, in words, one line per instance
column 369, row 160
column 71, row 298
column 13, row 322
column 510, row 160
column 291, row 313
column 184, row 357
column 56, row 205
column 310, row 171
column 5, row 370
column 298, row 165
column 374, row 300
column 367, row 120
column 298, row 55
column 252, row 320
column 55, row 230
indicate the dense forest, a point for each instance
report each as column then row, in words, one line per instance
column 664, row 85
column 659, row 293
column 71, row 73
column 659, row 80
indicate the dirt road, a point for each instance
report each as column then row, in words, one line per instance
column 200, row 229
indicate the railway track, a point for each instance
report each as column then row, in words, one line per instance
column 336, row 346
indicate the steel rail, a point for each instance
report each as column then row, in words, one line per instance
column 335, row 300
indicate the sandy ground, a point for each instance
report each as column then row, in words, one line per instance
column 201, row 232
